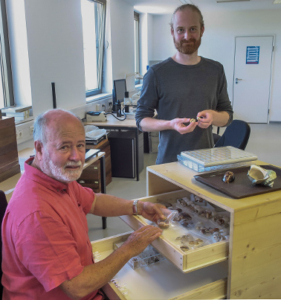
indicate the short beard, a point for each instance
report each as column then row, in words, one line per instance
column 61, row 173
column 185, row 48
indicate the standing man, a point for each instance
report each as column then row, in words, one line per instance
column 47, row 254
column 184, row 87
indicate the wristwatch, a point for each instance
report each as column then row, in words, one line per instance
column 135, row 207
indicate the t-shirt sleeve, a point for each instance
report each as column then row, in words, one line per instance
column 224, row 103
column 58, row 260
column 149, row 98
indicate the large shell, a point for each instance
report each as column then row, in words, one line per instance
column 258, row 175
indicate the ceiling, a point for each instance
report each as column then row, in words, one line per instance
column 168, row 6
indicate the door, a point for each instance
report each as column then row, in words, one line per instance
column 252, row 76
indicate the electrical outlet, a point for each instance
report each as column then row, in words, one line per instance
column 31, row 129
column 19, row 134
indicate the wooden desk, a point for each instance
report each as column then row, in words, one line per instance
column 128, row 124
column 9, row 184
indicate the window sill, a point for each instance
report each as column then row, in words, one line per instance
column 98, row 97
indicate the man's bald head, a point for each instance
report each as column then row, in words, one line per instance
column 55, row 119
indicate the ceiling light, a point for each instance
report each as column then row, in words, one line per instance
column 225, row 1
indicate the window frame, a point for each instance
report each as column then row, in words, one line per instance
column 5, row 58
column 137, row 48
column 100, row 55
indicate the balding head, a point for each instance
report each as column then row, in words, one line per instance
column 59, row 140
column 53, row 118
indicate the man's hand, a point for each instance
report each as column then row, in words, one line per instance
column 152, row 211
column 205, row 118
column 181, row 125
column 141, row 238
column 212, row 117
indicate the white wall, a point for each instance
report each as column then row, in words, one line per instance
column 55, row 47
column 219, row 40
column 122, row 40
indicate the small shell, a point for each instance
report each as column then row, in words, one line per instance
column 192, row 120
column 228, row 177
column 184, row 248
column 163, row 224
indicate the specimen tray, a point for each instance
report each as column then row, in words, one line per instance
column 241, row 187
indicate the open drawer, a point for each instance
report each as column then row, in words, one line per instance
column 161, row 280
column 209, row 254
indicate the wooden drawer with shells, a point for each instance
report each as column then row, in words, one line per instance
column 195, row 234
column 161, row 279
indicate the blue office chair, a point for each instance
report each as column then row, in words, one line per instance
column 236, row 134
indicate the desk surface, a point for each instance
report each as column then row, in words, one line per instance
column 183, row 177
column 111, row 122
column 8, row 185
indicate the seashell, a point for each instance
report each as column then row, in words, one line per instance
column 181, row 202
column 192, row 120
column 163, row 224
column 258, row 175
column 184, row 248
column 228, row 177
column 198, row 242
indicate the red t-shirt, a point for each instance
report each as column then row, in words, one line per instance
column 45, row 237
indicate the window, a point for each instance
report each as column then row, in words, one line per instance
column 93, row 22
column 136, row 45
column 6, row 86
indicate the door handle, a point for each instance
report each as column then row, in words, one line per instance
column 236, row 80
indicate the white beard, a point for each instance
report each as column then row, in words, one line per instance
column 61, row 173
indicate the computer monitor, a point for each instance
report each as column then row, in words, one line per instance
column 119, row 89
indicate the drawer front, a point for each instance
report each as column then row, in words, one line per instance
column 162, row 280
column 186, row 261
column 91, row 177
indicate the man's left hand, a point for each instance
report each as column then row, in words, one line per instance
column 205, row 118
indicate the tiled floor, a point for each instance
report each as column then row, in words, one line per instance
column 265, row 142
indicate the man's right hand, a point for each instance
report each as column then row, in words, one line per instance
column 141, row 238
column 180, row 125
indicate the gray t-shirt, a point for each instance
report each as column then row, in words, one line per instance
column 181, row 91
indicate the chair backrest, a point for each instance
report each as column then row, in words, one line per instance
column 3, row 206
column 236, row 134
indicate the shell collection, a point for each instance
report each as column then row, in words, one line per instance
column 148, row 257
column 204, row 223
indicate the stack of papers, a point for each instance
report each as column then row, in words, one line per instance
column 94, row 134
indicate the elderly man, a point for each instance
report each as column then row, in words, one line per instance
column 184, row 87
column 46, row 250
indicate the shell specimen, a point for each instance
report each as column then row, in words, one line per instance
column 228, row 177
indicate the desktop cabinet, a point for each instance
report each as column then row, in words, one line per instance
column 123, row 153
column 245, row 266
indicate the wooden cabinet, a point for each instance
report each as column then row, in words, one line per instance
column 162, row 280
column 247, row 266
column 9, row 163
column 91, row 176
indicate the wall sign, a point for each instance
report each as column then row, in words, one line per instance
column 253, row 55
